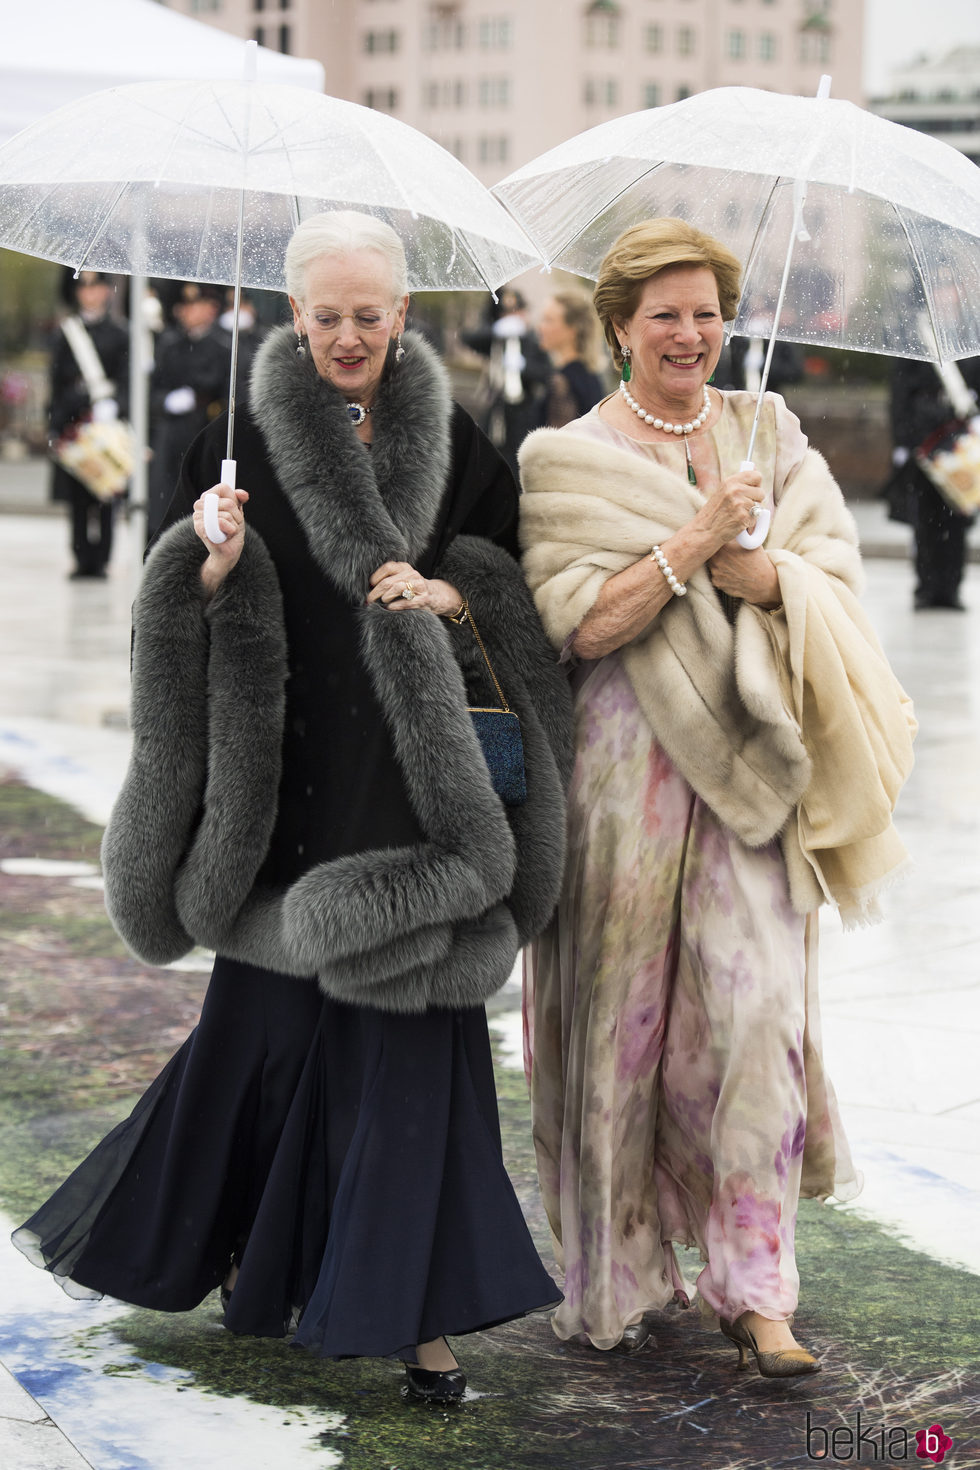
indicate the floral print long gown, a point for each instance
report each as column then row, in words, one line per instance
column 671, row 1030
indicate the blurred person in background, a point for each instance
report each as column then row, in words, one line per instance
column 919, row 406
column 567, row 332
column 517, row 374
column 70, row 403
column 250, row 332
column 188, row 389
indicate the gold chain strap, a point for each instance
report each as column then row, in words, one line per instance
column 500, row 693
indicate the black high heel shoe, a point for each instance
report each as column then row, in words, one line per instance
column 432, row 1387
column 787, row 1363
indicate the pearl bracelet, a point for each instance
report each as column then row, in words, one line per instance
column 678, row 588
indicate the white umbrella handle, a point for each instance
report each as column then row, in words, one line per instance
column 212, row 530
column 749, row 540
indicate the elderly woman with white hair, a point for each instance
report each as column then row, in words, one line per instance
column 308, row 797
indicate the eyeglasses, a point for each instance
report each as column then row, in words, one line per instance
column 367, row 321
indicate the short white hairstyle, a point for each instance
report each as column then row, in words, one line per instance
column 343, row 232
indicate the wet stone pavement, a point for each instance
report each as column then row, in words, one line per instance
column 891, row 1283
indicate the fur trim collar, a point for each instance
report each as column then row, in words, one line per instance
column 438, row 923
column 358, row 510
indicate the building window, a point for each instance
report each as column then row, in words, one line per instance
column 444, row 34
column 654, row 38
column 198, row 7
column 460, row 95
column 815, row 47
column 382, row 99
column 495, row 33
column 683, row 92
column 735, row 45
column 494, row 91
column 602, row 91
column 284, row 40
column 651, row 94
column 494, row 148
column 686, row 38
column 376, row 42
column 768, row 44
column 258, row 34
column 258, row 4
column 602, row 31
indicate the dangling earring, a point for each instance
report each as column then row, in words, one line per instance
column 399, row 350
column 300, row 345
column 627, row 370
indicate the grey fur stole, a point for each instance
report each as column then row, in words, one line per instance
column 438, row 923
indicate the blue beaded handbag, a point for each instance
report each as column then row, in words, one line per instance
column 499, row 734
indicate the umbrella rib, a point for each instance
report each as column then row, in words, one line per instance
column 606, row 205
column 106, row 218
column 205, row 231
column 756, row 242
column 473, row 260
column 922, row 276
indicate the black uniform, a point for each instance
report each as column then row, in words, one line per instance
column 91, row 519
column 919, row 406
column 202, row 364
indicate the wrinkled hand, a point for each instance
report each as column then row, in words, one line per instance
column 231, row 518
column 390, row 582
column 729, row 510
column 749, row 575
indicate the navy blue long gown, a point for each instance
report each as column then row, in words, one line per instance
column 347, row 1160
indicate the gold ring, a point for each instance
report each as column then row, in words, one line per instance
column 408, row 592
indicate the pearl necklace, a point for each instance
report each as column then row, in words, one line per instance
column 648, row 418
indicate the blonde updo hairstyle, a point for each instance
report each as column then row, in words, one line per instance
column 645, row 250
column 343, row 232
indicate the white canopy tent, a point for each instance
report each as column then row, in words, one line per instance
column 56, row 50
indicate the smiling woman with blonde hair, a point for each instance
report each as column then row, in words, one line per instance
column 740, row 742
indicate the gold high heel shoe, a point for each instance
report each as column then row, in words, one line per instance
column 787, row 1363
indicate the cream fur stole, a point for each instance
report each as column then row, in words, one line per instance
column 788, row 724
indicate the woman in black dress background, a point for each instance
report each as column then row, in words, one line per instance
column 308, row 798
column 567, row 332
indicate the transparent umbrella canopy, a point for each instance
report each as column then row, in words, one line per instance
column 885, row 221
column 207, row 180
column 150, row 179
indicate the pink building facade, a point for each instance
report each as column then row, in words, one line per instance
column 497, row 83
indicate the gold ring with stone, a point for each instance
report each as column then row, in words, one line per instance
column 408, row 592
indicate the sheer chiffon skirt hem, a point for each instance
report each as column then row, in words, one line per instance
column 347, row 1161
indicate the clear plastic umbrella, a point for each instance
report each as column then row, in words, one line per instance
column 206, row 181
column 853, row 231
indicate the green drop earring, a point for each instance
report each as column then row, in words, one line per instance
column 627, row 370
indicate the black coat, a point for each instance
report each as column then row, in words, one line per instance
column 307, row 792
column 341, row 790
